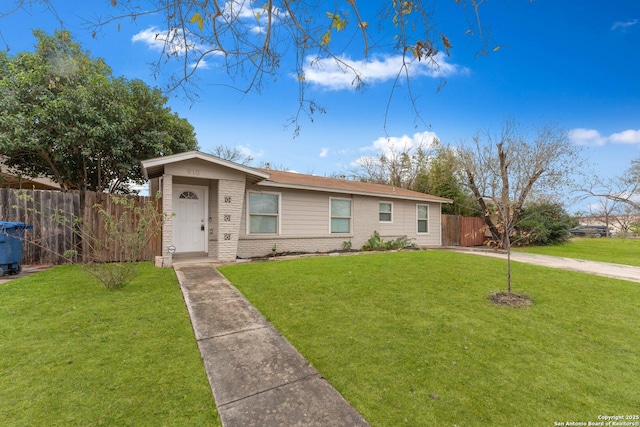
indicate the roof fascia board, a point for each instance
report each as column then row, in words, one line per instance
column 189, row 155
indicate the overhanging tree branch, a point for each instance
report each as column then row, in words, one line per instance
column 250, row 38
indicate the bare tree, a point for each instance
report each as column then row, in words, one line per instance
column 618, row 189
column 503, row 171
column 624, row 217
column 233, row 154
column 396, row 166
column 617, row 198
column 603, row 210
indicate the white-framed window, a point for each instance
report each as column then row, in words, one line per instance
column 263, row 213
column 340, row 215
column 385, row 211
column 422, row 216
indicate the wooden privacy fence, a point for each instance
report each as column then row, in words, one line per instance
column 462, row 231
column 62, row 222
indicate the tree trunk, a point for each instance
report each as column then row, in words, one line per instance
column 507, row 241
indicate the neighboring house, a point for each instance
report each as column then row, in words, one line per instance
column 620, row 225
column 12, row 179
column 227, row 211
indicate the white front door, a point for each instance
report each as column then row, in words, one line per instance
column 189, row 222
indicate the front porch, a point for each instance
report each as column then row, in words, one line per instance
column 202, row 199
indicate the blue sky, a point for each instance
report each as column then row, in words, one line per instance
column 573, row 63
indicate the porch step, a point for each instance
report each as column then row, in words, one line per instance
column 189, row 255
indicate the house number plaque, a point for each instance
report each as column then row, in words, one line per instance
column 193, row 172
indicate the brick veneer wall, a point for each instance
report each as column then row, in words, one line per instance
column 230, row 202
column 250, row 248
column 167, row 227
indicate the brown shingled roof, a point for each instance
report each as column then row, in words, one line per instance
column 318, row 183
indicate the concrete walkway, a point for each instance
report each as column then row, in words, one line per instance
column 616, row 271
column 257, row 377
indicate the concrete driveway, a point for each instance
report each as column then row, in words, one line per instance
column 616, row 271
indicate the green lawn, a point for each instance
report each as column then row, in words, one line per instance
column 620, row 251
column 76, row 354
column 411, row 338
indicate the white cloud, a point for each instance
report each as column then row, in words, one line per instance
column 172, row 41
column 623, row 24
column 333, row 75
column 255, row 19
column 399, row 144
column 629, row 136
column 149, row 36
column 324, row 152
column 176, row 41
column 244, row 9
column 582, row 136
column 248, row 152
column 235, row 9
column 394, row 145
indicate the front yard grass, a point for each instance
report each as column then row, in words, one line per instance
column 411, row 338
column 619, row 251
column 76, row 354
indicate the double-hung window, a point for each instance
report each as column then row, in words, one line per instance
column 340, row 215
column 422, row 215
column 264, row 213
column 385, row 212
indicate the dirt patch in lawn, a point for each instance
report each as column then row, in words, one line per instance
column 510, row 299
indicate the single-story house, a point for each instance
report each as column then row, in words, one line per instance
column 224, row 210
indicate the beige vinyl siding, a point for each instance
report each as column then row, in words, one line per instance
column 305, row 223
column 366, row 220
column 398, row 227
column 303, row 213
column 200, row 169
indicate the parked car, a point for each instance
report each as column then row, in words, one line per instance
column 590, row 231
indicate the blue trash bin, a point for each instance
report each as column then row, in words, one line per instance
column 11, row 236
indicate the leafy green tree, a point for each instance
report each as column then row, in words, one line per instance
column 441, row 177
column 65, row 116
column 543, row 224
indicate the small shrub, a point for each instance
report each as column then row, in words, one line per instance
column 375, row 243
column 543, row 224
column 120, row 233
column 129, row 240
column 113, row 275
column 400, row 243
